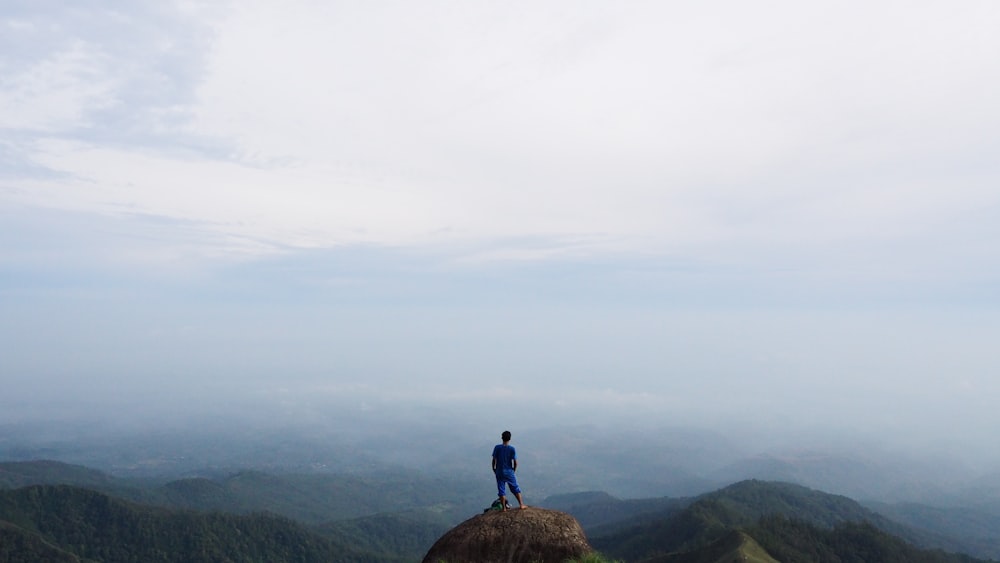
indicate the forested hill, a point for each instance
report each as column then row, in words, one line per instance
column 65, row 523
column 391, row 514
column 15, row 474
column 790, row 522
column 388, row 517
column 315, row 498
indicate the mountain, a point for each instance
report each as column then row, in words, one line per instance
column 737, row 505
column 19, row 545
column 972, row 529
column 734, row 546
column 854, row 473
column 18, row 474
column 310, row 498
column 391, row 514
column 322, row 497
column 764, row 510
column 796, row 540
column 406, row 534
column 63, row 523
column 396, row 515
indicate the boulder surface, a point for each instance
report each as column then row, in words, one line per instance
column 514, row 536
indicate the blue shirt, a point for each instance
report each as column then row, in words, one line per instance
column 504, row 456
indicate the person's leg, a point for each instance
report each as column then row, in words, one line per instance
column 500, row 491
column 514, row 488
column 520, row 502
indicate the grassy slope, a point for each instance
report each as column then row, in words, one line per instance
column 735, row 546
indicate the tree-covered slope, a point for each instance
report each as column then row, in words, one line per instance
column 17, row 474
column 310, row 498
column 91, row 525
column 391, row 513
column 18, row 545
column 408, row 535
column 752, row 507
column 967, row 528
column 317, row 498
column 753, row 499
column 734, row 546
column 796, row 540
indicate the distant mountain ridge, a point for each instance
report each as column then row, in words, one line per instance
column 310, row 498
column 855, row 475
column 395, row 517
column 15, row 474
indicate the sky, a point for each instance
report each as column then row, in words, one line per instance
column 723, row 211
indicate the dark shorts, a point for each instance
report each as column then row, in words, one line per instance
column 507, row 478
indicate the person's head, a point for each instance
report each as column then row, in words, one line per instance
column 505, row 436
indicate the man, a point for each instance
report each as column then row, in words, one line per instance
column 504, row 466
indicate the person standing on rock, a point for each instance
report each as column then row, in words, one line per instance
column 504, row 466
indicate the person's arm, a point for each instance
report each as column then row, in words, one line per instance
column 514, row 463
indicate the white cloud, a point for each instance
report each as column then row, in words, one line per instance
column 58, row 93
column 649, row 127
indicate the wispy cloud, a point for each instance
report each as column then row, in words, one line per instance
column 59, row 93
column 766, row 136
column 665, row 130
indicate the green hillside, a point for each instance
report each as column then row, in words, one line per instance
column 772, row 514
column 317, row 498
column 396, row 516
column 734, row 546
column 956, row 528
column 16, row 474
column 391, row 514
column 795, row 540
column 408, row 535
column 753, row 499
column 309, row 498
column 55, row 523
column 18, row 545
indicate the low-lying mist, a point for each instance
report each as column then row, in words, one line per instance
column 630, row 450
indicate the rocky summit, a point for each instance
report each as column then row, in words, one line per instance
column 514, row 536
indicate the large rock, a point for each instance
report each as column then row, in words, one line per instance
column 514, row 536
